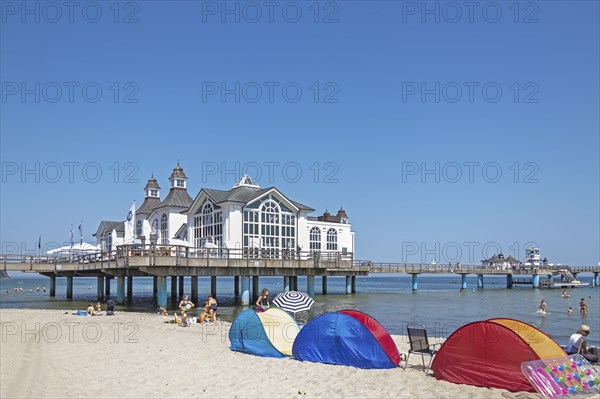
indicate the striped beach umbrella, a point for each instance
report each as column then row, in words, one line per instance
column 293, row 301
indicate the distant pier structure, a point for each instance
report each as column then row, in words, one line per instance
column 246, row 232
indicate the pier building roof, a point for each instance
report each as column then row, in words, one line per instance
column 152, row 183
column 109, row 225
column 244, row 192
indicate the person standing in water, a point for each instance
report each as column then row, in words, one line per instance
column 542, row 307
column 583, row 307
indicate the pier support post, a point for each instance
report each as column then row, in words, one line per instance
column 597, row 279
column 348, row 285
column 463, row 281
column 52, row 286
column 255, row 288
column 213, row 286
column 324, row 285
column 414, row 281
column 107, row 288
column 480, row 281
column 536, row 281
column 245, row 290
column 181, row 286
column 353, row 284
column 120, row 290
column 286, row 283
column 310, row 286
column 173, row 287
column 161, row 284
column 509, row 281
column 99, row 288
column 194, row 289
column 236, row 286
column 154, row 287
column 69, row 287
column 295, row 283
column 129, row 287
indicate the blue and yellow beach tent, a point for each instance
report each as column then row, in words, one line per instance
column 271, row 333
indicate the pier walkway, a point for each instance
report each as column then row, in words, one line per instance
column 246, row 266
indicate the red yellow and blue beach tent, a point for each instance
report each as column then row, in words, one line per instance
column 489, row 354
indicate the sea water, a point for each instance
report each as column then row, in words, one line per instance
column 438, row 303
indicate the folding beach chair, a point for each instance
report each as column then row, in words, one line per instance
column 420, row 344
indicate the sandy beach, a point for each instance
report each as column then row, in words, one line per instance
column 46, row 353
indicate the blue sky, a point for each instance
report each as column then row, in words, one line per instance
column 379, row 104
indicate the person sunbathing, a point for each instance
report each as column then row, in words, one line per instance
column 90, row 309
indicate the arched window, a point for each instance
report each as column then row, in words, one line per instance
column 138, row 228
column 269, row 229
column 332, row 240
column 207, row 220
column 164, row 231
column 154, row 226
column 315, row 239
column 208, row 224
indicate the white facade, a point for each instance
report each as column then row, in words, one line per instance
column 262, row 222
column 246, row 219
column 109, row 235
column 328, row 236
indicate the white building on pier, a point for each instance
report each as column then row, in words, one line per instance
column 254, row 221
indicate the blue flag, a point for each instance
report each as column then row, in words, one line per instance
column 40, row 242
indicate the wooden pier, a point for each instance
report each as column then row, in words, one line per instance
column 178, row 262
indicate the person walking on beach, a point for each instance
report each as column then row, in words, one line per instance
column 583, row 308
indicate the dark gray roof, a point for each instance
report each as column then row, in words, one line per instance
column 177, row 197
column 109, row 225
column 493, row 259
column 302, row 207
column 510, row 259
column 178, row 173
column 152, row 183
column 148, row 206
column 181, row 230
column 244, row 195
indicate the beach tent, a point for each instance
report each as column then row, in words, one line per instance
column 349, row 338
column 271, row 333
column 489, row 354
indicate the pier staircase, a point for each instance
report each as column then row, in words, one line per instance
column 566, row 275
